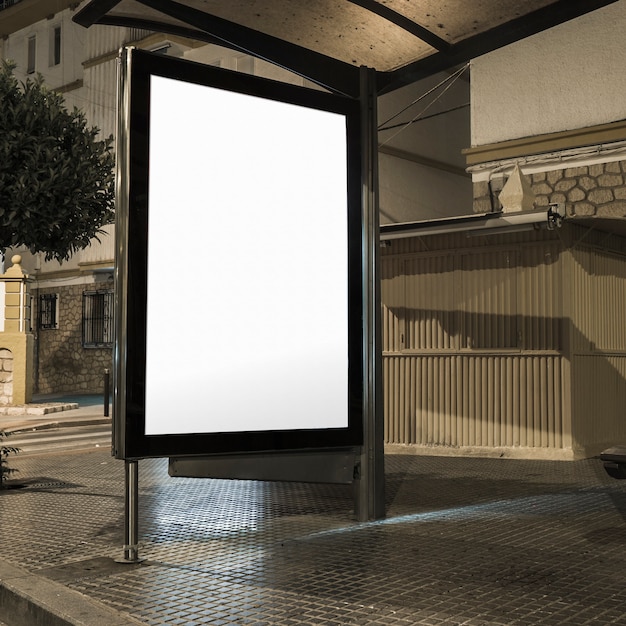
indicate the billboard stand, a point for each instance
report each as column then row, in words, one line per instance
column 131, row 513
column 369, row 480
column 294, row 345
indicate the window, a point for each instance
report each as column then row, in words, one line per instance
column 55, row 46
column 48, row 310
column 97, row 319
column 31, row 54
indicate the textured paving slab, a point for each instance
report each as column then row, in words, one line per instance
column 466, row 541
column 29, row 600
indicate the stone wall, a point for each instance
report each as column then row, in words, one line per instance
column 588, row 191
column 62, row 364
column 6, row 376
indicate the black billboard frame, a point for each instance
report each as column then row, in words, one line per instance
column 130, row 441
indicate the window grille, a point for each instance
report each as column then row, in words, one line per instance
column 48, row 310
column 97, row 319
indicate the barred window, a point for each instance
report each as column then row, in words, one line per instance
column 49, row 310
column 97, row 319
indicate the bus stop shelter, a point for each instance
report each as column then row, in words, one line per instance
column 359, row 49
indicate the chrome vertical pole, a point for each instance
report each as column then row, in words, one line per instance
column 107, row 391
column 370, row 482
column 131, row 513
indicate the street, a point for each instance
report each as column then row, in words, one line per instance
column 63, row 439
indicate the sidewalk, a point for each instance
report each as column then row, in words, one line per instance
column 466, row 541
column 56, row 410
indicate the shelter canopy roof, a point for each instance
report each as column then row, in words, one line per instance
column 328, row 40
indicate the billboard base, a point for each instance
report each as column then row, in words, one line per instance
column 320, row 466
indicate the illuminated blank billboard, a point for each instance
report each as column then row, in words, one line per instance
column 239, row 264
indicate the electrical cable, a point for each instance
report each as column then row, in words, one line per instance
column 451, row 80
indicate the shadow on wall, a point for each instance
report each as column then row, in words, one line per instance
column 502, row 380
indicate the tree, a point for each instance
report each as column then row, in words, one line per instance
column 56, row 176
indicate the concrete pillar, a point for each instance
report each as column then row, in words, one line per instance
column 16, row 339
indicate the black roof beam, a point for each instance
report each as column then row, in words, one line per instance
column 404, row 22
column 94, row 12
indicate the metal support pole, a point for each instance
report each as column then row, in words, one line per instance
column 370, row 480
column 107, row 391
column 131, row 510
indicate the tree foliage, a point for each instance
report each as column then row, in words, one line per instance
column 56, row 176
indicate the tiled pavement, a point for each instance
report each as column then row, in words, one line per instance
column 466, row 541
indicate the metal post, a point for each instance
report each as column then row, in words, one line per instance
column 131, row 510
column 370, row 482
column 107, row 391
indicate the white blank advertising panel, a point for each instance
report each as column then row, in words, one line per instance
column 247, row 294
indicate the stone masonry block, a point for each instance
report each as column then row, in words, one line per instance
column 542, row 189
column 481, row 205
column 12, row 299
column 584, row 209
column 554, row 176
column 575, row 172
column 614, row 209
column 596, row 170
column 558, row 198
column 613, row 167
column 587, row 183
column 538, row 177
column 481, row 189
column 5, row 354
column 564, row 185
column 576, row 195
column 600, row 196
column 620, row 193
column 610, row 180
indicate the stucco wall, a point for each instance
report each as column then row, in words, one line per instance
column 70, row 68
column 571, row 76
column 423, row 188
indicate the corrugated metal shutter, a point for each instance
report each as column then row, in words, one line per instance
column 480, row 364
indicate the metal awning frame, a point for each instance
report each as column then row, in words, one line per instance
column 328, row 72
column 478, row 224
